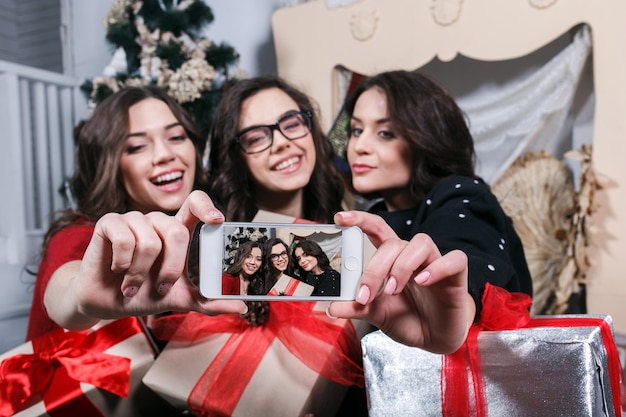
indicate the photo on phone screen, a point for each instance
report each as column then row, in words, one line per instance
column 280, row 261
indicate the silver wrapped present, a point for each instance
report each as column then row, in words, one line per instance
column 550, row 368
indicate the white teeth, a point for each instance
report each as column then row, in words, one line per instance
column 170, row 176
column 287, row 163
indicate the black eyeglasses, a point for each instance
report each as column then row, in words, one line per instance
column 255, row 139
column 275, row 256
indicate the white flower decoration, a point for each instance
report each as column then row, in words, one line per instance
column 117, row 64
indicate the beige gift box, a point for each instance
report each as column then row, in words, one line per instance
column 280, row 385
column 137, row 347
column 290, row 286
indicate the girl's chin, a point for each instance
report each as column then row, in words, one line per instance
column 295, row 180
column 173, row 203
column 362, row 188
column 169, row 209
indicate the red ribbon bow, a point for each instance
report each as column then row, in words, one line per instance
column 59, row 363
column 503, row 310
column 329, row 347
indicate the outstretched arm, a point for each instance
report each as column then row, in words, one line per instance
column 409, row 290
column 135, row 265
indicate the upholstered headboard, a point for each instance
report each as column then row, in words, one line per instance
column 369, row 36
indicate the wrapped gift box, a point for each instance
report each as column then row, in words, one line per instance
column 550, row 366
column 92, row 373
column 290, row 366
column 260, row 371
column 287, row 285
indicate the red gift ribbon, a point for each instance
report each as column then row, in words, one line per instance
column 290, row 288
column 503, row 310
column 329, row 347
column 59, row 363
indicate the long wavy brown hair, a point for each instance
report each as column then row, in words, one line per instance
column 230, row 182
column 427, row 116
column 310, row 248
column 96, row 186
column 256, row 282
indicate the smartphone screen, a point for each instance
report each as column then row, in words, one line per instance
column 275, row 261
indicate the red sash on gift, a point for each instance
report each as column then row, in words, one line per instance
column 59, row 363
column 503, row 310
column 290, row 288
column 329, row 347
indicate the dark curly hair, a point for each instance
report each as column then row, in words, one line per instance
column 270, row 273
column 96, row 185
column 256, row 280
column 427, row 116
column 310, row 248
column 230, row 182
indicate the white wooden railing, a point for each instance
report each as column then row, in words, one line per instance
column 37, row 116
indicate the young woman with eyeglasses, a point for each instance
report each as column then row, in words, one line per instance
column 268, row 151
column 276, row 262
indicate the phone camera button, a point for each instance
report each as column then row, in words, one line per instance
column 351, row 263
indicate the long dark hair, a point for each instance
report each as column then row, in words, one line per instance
column 96, row 185
column 242, row 252
column 427, row 116
column 269, row 271
column 256, row 279
column 310, row 248
column 230, row 182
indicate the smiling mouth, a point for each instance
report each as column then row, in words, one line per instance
column 168, row 178
column 287, row 163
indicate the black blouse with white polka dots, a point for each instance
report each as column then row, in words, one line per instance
column 462, row 213
column 326, row 283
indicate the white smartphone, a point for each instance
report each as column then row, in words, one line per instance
column 317, row 261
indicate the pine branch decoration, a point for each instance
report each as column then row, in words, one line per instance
column 159, row 42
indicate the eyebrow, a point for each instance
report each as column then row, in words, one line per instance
column 378, row 122
column 277, row 119
column 166, row 127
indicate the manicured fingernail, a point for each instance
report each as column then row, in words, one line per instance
column 215, row 214
column 363, row 295
column 422, row 277
column 391, row 286
column 130, row 291
column 164, row 287
column 347, row 215
column 343, row 216
column 328, row 312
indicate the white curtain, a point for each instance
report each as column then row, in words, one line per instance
column 330, row 243
column 528, row 113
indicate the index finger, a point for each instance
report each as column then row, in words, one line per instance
column 198, row 207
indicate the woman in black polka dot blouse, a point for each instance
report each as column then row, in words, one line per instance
column 410, row 146
column 313, row 267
